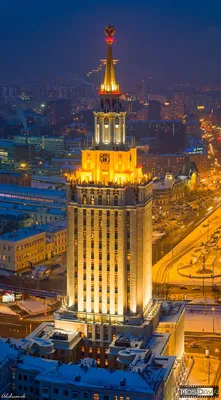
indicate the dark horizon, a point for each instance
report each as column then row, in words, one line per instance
column 171, row 43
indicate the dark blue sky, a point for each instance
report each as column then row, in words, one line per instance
column 173, row 41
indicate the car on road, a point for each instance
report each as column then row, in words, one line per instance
column 198, row 249
column 196, row 288
column 215, row 288
column 195, row 345
column 183, row 288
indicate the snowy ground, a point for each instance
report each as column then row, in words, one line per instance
column 33, row 307
column 6, row 310
column 203, row 320
column 204, row 371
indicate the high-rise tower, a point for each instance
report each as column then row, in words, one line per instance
column 109, row 243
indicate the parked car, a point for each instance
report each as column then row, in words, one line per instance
column 195, row 345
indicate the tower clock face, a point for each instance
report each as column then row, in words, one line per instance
column 105, row 158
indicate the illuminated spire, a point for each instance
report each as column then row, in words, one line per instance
column 109, row 86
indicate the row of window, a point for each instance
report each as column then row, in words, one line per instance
column 100, row 200
column 11, row 196
column 29, row 244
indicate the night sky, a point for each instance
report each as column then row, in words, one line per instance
column 172, row 41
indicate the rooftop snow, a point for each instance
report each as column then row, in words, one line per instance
column 96, row 378
column 20, row 234
column 28, row 191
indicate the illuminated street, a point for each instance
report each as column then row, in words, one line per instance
column 186, row 253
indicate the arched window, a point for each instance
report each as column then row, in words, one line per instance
column 84, row 198
column 115, row 200
column 92, row 199
column 100, row 200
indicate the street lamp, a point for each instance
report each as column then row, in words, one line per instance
column 213, row 309
column 217, row 352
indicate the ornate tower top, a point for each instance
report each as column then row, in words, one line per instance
column 109, row 86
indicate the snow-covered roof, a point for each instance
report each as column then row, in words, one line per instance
column 29, row 191
column 20, row 234
column 173, row 313
column 77, row 375
column 7, row 351
column 158, row 341
column 36, row 363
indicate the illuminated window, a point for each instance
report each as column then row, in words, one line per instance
column 84, row 199
column 96, row 396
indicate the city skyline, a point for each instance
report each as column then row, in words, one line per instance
column 110, row 201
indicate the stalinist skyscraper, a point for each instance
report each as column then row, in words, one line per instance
column 109, row 258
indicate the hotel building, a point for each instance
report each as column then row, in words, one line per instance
column 109, row 218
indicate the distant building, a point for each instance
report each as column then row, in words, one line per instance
column 28, row 193
column 24, row 152
column 10, row 178
column 193, row 126
column 57, row 234
column 167, row 110
column 68, row 164
column 167, row 190
column 36, row 118
column 95, row 76
column 189, row 173
column 142, row 90
column 13, row 219
column 216, row 117
column 49, row 143
column 159, row 164
column 7, row 150
column 154, row 110
column 48, row 182
column 170, row 133
column 26, row 247
column 42, row 214
column 21, row 249
column 178, row 105
column 59, row 111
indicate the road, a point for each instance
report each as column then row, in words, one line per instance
column 213, row 341
column 165, row 271
column 165, row 245
column 187, row 292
